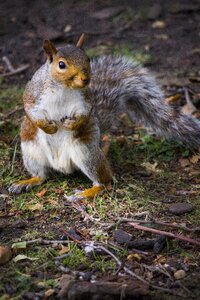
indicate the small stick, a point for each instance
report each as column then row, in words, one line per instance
column 165, row 233
column 124, row 220
column 133, row 274
column 8, row 63
column 16, row 71
column 12, row 70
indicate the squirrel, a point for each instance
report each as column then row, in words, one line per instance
column 70, row 102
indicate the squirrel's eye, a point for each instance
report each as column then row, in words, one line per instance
column 62, row 65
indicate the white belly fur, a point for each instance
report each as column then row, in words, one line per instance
column 55, row 150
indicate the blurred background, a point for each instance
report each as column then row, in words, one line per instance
column 163, row 35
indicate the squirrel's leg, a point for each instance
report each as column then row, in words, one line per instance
column 92, row 162
column 25, row 185
column 36, row 164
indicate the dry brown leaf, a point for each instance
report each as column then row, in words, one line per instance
column 188, row 109
column 41, row 193
column 173, row 99
column 37, row 206
column 5, row 254
column 184, row 162
column 48, row 294
column 134, row 257
column 151, row 167
column 50, row 201
column 160, row 259
column 195, row 158
column 63, row 250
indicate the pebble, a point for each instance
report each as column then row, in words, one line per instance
column 179, row 274
column 122, row 237
column 181, row 208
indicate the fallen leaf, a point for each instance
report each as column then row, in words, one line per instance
column 37, row 206
column 134, row 257
column 5, row 254
column 173, row 99
column 151, row 167
column 23, row 257
column 41, row 193
column 50, row 201
column 195, row 158
column 63, row 250
column 160, row 259
column 184, row 162
column 19, row 245
column 48, row 294
column 188, row 109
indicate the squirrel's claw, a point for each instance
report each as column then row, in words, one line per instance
column 88, row 193
column 24, row 185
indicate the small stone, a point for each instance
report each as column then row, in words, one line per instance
column 179, row 274
column 121, row 236
column 74, row 235
column 158, row 24
column 180, row 208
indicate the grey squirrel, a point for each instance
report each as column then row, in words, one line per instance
column 70, row 101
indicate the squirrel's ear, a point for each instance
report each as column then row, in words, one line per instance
column 50, row 49
column 80, row 41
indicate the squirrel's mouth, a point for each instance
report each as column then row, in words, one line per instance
column 80, row 83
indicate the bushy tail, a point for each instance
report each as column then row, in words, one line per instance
column 120, row 85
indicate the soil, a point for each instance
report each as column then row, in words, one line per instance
column 174, row 51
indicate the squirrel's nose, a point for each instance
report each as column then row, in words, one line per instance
column 85, row 80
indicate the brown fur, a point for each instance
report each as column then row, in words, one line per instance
column 104, row 172
column 28, row 130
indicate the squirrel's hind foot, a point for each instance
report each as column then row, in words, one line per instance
column 88, row 193
column 24, row 185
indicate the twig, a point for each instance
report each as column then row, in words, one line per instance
column 12, row 70
column 79, row 208
column 133, row 274
column 17, row 109
column 41, row 241
column 8, row 63
column 165, row 233
column 16, row 71
column 178, row 226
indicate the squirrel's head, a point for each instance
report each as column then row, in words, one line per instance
column 69, row 65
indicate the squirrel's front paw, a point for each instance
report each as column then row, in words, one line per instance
column 50, row 127
column 69, row 124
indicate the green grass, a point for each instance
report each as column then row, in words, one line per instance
column 10, row 97
column 131, row 193
column 124, row 49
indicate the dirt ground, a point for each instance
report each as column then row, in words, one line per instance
column 150, row 173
